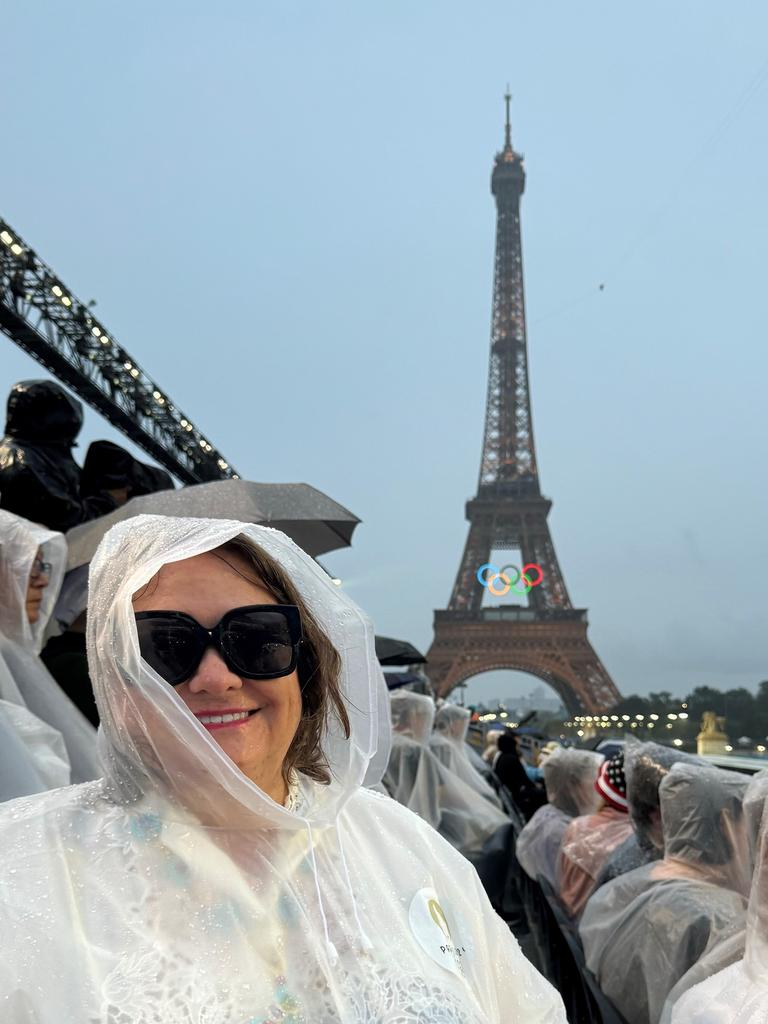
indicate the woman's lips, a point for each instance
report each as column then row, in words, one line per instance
column 225, row 719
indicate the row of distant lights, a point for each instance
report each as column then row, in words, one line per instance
column 492, row 716
column 606, row 721
column 7, row 238
column 609, row 721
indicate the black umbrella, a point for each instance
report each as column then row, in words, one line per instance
column 313, row 520
column 395, row 680
column 397, row 652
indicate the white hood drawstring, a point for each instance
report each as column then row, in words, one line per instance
column 364, row 939
column 333, row 954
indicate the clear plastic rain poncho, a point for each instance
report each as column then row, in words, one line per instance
column 587, row 844
column 731, row 982
column 419, row 781
column 569, row 776
column 644, row 930
column 448, row 743
column 177, row 891
column 477, row 762
column 645, row 765
column 32, row 754
column 28, row 682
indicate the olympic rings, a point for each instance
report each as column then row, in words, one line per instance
column 492, row 574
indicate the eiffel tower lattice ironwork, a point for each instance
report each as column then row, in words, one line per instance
column 546, row 637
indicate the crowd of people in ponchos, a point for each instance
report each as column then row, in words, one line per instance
column 221, row 850
column 660, row 859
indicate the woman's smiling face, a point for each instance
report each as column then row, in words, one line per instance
column 206, row 587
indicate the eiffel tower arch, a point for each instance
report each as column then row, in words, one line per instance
column 547, row 637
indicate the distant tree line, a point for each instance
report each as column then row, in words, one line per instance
column 746, row 713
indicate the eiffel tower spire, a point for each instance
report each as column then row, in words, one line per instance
column 508, row 455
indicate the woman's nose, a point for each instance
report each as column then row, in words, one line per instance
column 213, row 676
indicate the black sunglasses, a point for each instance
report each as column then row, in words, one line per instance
column 258, row 641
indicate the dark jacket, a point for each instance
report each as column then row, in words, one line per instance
column 39, row 478
column 527, row 796
column 66, row 659
column 107, row 466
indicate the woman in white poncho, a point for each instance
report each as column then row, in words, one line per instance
column 733, row 978
column 231, row 869
column 643, row 930
column 419, row 781
column 448, row 743
column 32, row 563
column 569, row 777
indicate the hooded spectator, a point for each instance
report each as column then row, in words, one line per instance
column 527, row 796
column 645, row 765
column 731, row 981
column 590, row 839
column 644, row 930
column 107, row 467
column 416, row 779
column 491, row 749
column 448, row 743
column 569, row 776
column 32, row 563
column 39, row 478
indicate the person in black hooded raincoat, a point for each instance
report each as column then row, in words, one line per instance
column 39, row 478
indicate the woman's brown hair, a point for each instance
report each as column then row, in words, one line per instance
column 319, row 667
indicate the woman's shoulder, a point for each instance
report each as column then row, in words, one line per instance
column 30, row 825
column 24, row 809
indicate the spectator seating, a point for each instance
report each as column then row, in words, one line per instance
column 590, row 1002
column 548, row 936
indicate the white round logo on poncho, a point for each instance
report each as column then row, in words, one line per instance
column 433, row 933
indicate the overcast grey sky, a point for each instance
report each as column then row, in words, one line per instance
column 283, row 211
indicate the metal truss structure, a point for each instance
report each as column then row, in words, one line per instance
column 46, row 319
column 548, row 636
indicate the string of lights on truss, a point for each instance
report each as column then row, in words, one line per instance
column 44, row 317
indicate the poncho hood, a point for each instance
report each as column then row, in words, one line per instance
column 42, row 412
column 704, row 830
column 150, row 742
column 19, row 543
column 645, row 765
column 413, row 715
column 453, row 722
column 569, row 776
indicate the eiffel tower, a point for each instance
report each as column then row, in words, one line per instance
column 547, row 637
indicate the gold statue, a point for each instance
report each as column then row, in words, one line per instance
column 712, row 739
